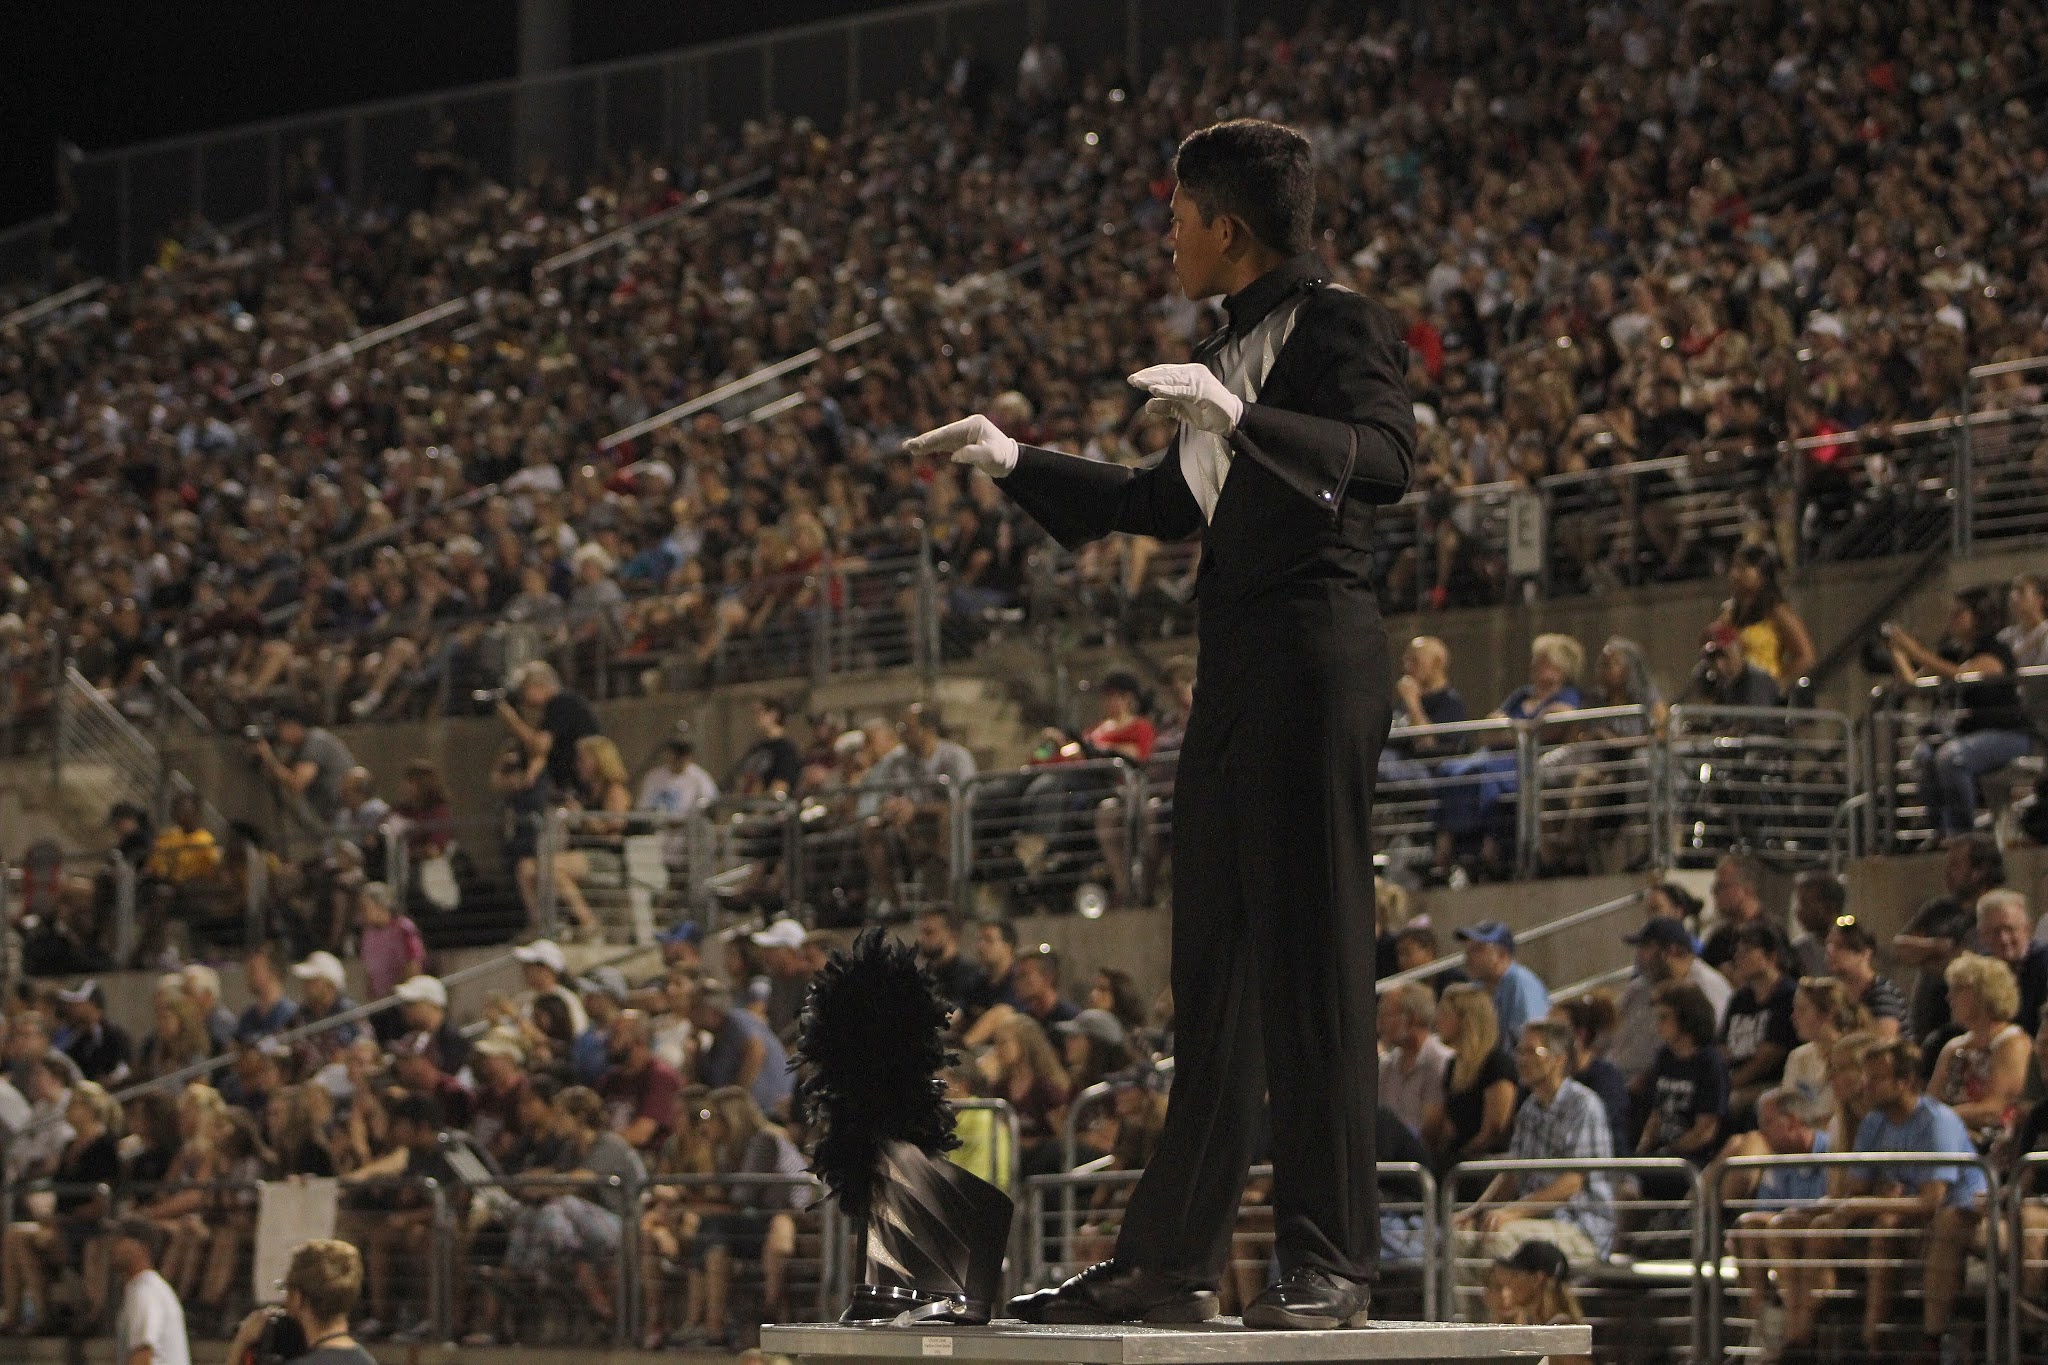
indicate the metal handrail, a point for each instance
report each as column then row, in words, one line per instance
column 77, row 293
column 1533, row 935
column 2029, row 1173
column 619, row 236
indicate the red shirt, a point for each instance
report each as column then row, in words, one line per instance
column 1137, row 732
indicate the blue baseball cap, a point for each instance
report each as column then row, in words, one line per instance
column 686, row 932
column 1489, row 931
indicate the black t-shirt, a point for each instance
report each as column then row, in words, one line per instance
column 2033, row 978
column 1466, row 1109
column 1752, row 1022
column 768, row 762
column 1994, row 702
column 1396, row 1142
column 1443, row 707
column 1941, row 918
column 1683, row 1088
column 961, row 982
column 568, row 718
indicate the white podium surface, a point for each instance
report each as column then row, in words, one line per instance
column 1225, row 1341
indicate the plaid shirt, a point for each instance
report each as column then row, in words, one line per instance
column 1572, row 1126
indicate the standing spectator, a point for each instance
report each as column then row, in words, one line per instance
column 1774, row 638
column 1982, row 1071
column 559, row 719
column 1560, row 1120
column 1412, row 1067
column 1664, row 953
column 151, row 1327
column 306, row 762
column 2002, row 933
column 1990, row 728
column 1889, row 1199
column 387, row 941
column 639, row 1089
column 1519, row 995
column 1688, row 1082
column 1757, row 1035
column 1479, row 1081
column 98, row 1045
column 270, row 1011
column 1851, row 950
column 1726, row 678
column 202, row 983
column 1971, row 866
column 321, row 1288
column 743, row 1051
column 1736, row 906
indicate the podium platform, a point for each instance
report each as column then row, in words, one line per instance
column 1225, row 1341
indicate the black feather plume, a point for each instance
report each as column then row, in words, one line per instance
column 868, row 1053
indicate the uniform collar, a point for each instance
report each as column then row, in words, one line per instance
column 1249, row 305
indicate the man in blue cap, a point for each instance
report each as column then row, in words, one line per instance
column 1519, row 995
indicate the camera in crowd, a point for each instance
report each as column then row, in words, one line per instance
column 1875, row 653
column 281, row 1339
column 488, row 696
column 255, row 734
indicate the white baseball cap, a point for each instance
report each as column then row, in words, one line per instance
column 546, row 953
column 322, row 966
column 784, row 933
column 422, row 990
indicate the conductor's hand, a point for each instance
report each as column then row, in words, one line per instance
column 972, row 441
column 1191, row 394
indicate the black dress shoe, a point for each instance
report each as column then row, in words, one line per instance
column 1308, row 1300
column 1108, row 1292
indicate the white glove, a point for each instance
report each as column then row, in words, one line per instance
column 972, row 441
column 1191, row 393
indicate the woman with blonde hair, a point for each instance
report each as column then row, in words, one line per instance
column 1475, row 786
column 1982, row 1071
column 1479, row 1080
column 749, row 1220
column 1823, row 1012
column 178, row 1040
column 669, row 1225
column 602, row 788
column 178, row 1210
column 67, row 1235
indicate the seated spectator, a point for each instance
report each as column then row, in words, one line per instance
column 1982, row 1071
column 1757, row 1035
column 1890, row 1198
column 1774, row 639
column 1822, row 1015
column 1664, row 953
column 2026, row 632
column 781, row 954
column 579, row 1231
column 1413, row 1059
column 1479, row 1081
column 270, row 1011
column 325, row 988
column 743, row 1050
column 294, row 1133
column 906, row 827
column 938, row 951
column 1113, row 990
column 2003, row 929
column 603, row 993
column 672, row 1214
column 1476, row 785
column 754, row 1221
column 386, row 1210
column 423, row 1001
column 1093, row 1048
column 1022, row 1068
column 1425, row 697
column 1990, row 727
column 1783, row 1200
column 426, row 824
column 1518, row 993
column 1036, row 984
column 31, row 1252
column 1817, row 898
column 1669, row 900
column 36, row 1148
column 521, row 783
column 1851, row 951
column 1737, row 905
column 1726, row 678
column 1603, row 758
column 96, row 1043
column 545, row 970
column 184, row 851
column 179, row 1212
column 498, row 1062
column 1559, row 1120
column 202, row 983
column 1533, row 1287
column 1688, row 1085
column 1064, row 810
column 1972, row 867
column 639, row 1090
column 1593, row 1018
column 360, row 816
column 179, row 1038
column 601, row 792
column 390, row 947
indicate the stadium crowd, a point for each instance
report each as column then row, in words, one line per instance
column 1606, row 241
column 585, row 1110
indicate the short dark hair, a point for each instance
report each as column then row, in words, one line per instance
column 1691, row 1008
column 1259, row 172
column 1985, row 604
column 420, row 1109
column 1048, row 962
column 775, row 706
column 1985, row 858
column 1005, row 930
column 944, row 914
column 1761, row 935
column 1854, row 936
column 1902, row 1057
column 1826, row 885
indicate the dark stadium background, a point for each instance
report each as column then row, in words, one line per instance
column 104, row 74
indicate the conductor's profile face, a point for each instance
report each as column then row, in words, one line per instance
column 1199, row 249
